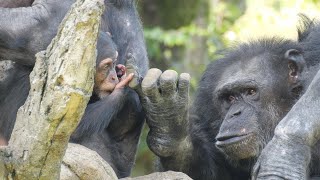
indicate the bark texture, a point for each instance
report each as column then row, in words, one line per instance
column 61, row 85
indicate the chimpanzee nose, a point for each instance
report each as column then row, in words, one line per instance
column 237, row 113
column 233, row 113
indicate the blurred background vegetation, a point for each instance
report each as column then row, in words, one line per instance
column 186, row 35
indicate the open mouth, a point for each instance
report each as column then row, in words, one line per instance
column 231, row 139
column 120, row 70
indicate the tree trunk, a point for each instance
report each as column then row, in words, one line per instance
column 61, row 85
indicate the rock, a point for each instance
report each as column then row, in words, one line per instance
column 80, row 162
column 169, row 175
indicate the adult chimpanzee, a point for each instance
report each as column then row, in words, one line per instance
column 113, row 119
column 240, row 100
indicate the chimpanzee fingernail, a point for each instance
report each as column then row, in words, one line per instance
column 131, row 74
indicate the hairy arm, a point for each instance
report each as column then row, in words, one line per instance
column 24, row 31
column 15, row 3
column 98, row 115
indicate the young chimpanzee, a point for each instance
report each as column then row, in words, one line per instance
column 102, row 127
column 113, row 119
column 240, row 100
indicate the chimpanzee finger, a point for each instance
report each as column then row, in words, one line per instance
column 150, row 84
column 183, row 85
column 168, row 83
column 124, row 81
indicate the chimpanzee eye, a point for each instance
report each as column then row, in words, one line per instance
column 251, row 92
column 106, row 66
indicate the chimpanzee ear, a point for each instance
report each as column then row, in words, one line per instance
column 296, row 64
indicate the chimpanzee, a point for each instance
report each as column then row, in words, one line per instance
column 113, row 120
column 240, row 100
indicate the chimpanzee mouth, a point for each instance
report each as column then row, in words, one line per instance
column 232, row 139
column 120, row 71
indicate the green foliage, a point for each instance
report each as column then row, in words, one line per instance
column 169, row 14
column 271, row 18
column 221, row 18
column 144, row 157
column 178, row 12
column 158, row 39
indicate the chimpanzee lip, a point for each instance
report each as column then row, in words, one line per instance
column 232, row 139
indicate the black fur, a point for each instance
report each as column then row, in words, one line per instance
column 206, row 113
column 112, row 125
column 272, row 67
column 309, row 32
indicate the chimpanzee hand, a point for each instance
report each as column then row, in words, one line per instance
column 124, row 81
column 165, row 100
column 283, row 159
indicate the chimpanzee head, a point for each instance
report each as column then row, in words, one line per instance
column 108, row 72
column 256, row 85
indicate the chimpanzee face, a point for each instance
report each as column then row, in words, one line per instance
column 251, row 105
column 108, row 72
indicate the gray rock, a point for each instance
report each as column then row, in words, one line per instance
column 80, row 162
column 169, row 175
